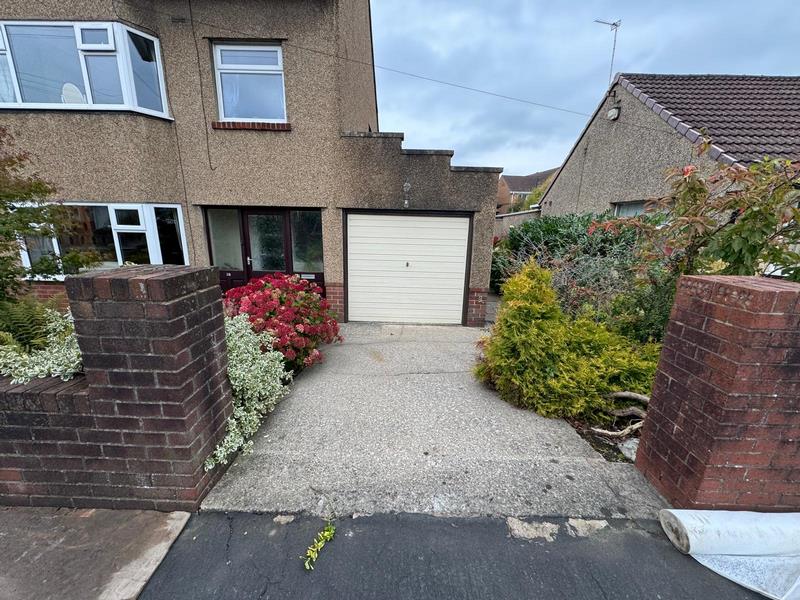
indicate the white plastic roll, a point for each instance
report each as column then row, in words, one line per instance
column 760, row 551
column 732, row 532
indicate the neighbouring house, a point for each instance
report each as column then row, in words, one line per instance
column 512, row 188
column 244, row 135
column 648, row 123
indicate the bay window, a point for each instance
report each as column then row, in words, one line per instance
column 115, row 234
column 80, row 66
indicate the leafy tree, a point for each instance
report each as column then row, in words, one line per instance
column 534, row 197
column 739, row 221
column 26, row 212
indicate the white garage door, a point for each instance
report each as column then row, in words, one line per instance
column 406, row 268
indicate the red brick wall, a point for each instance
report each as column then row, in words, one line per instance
column 46, row 290
column 476, row 307
column 723, row 424
column 334, row 292
column 134, row 432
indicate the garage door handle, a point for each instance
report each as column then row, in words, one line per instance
column 407, row 264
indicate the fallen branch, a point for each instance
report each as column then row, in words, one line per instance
column 630, row 396
column 629, row 411
column 618, row 434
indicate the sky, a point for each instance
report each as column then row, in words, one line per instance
column 552, row 53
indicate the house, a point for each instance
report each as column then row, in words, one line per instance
column 513, row 188
column 245, row 135
column 649, row 123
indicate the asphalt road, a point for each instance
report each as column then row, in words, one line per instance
column 249, row 556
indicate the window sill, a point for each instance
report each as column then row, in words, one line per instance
column 251, row 126
column 90, row 108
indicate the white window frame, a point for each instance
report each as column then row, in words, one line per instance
column 117, row 46
column 152, row 226
column 618, row 205
column 25, row 258
column 5, row 55
column 220, row 68
column 128, row 72
column 147, row 225
column 109, row 46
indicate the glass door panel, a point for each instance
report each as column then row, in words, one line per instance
column 307, row 241
column 224, row 234
column 306, row 246
column 267, row 243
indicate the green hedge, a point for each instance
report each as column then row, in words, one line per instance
column 597, row 271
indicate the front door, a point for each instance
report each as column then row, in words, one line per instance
column 265, row 242
column 253, row 242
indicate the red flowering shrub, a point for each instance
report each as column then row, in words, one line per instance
column 292, row 310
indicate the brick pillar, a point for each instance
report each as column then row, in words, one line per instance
column 153, row 346
column 334, row 293
column 476, row 307
column 723, row 425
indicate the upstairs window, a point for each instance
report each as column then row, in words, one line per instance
column 250, row 83
column 84, row 65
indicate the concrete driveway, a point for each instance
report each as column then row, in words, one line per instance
column 394, row 421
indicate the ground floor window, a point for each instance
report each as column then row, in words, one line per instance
column 629, row 209
column 251, row 242
column 116, row 234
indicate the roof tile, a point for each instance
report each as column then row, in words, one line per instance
column 525, row 183
column 746, row 116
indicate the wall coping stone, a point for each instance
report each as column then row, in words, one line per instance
column 373, row 134
column 427, row 152
column 142, row 282
column 459, row 169
column 519, row 212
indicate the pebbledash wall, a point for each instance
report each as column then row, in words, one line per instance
column 329, row 155
column 620, row 161
column 132, row 432
column 723, row 425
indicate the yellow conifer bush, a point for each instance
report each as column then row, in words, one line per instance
column 537, row 357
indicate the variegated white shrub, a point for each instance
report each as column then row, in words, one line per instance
column 60, row 356
column 258, row 381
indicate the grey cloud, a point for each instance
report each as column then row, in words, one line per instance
column 551, row 53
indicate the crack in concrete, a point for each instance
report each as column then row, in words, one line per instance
column 229, row 520
column 392, row 341
column 599, row 585
column 401, row 374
